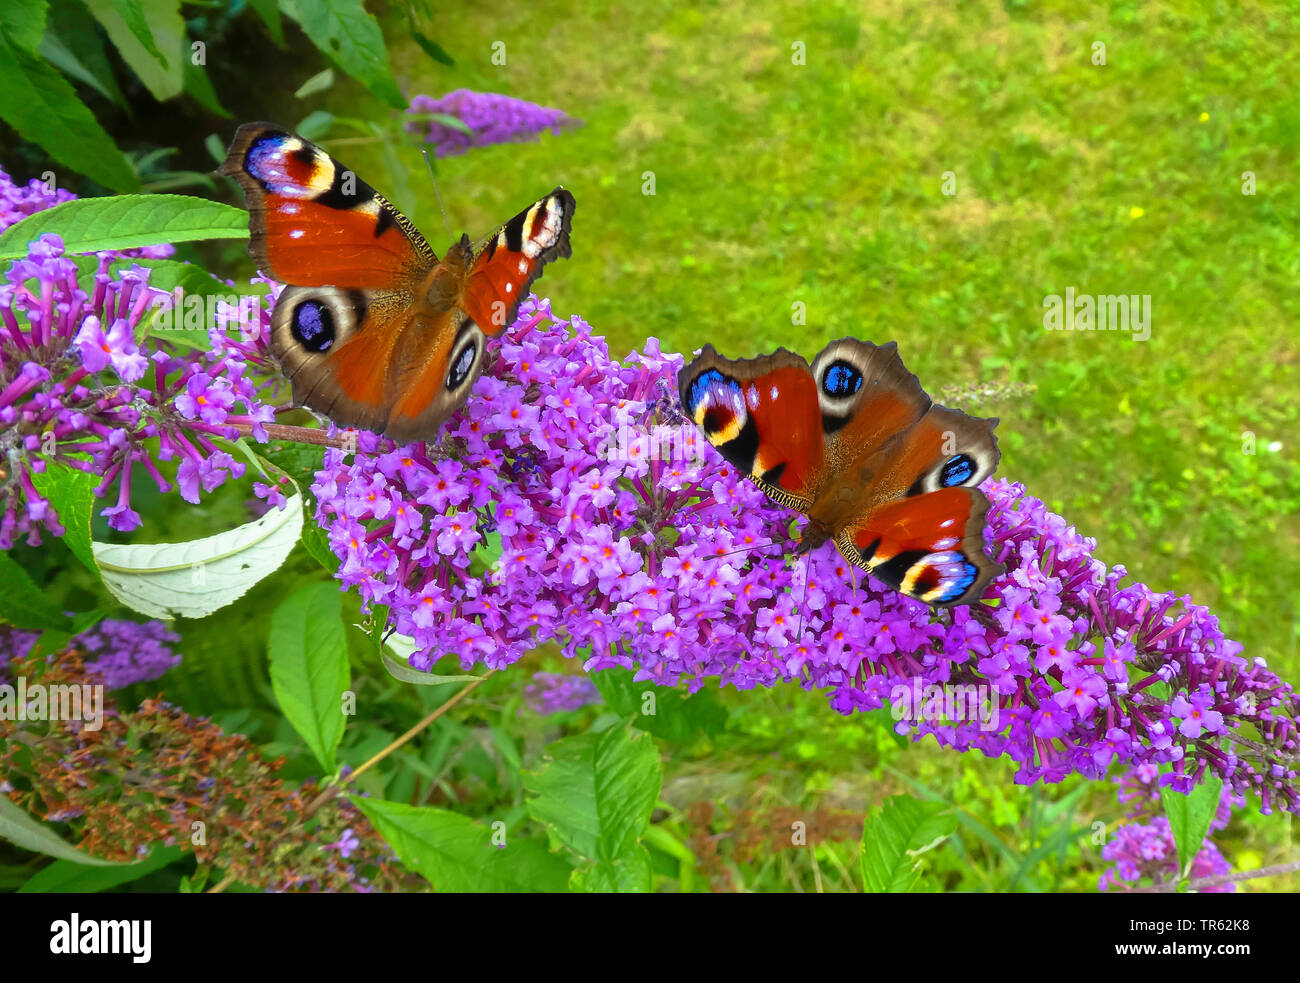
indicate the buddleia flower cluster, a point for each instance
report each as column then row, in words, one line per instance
column 80, row 388
column 174, row 774
column 569, row 502
column 490, row 117
column 556, row 692
column 1144, row 850
column 115, row 652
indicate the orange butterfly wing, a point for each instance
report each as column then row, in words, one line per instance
column 762, row 416
column 314, row 223
column 855, row 443
column 372, row 330
column 513, row 257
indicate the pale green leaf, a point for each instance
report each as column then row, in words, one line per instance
column 22, row 829
column 150, row 37
column 191, row 580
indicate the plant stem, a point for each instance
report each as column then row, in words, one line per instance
column 1170, row 887
column 301, row 435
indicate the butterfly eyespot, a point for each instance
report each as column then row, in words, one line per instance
column 313, row 326
column 841, row 380
column 957, row 470
column 462, row 365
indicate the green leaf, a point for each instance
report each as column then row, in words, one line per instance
column 132, row 16
column 216, row 149
column 19, row 827
column 22, row 603
column 317, row 543
column 269, row 11
column 72, row 495
column 677, row 716
column 447, row 120
column 300, row 462
column 74, row 46
column 401, row 670
column 1189, row 817
column 150, row 37
column 596, row 792
column 457, row 854
column 89, row 225
column 198, row 83
column 24, row 22
column 309, row 667
column 42, row 106
column 314, row 125
column 66, row 877
column 895, row 835
column 57, row 639
column 631, row 874
column 55, row 49
column 351, row 38
column 432, row 48
column 193, row 579
column 317, row 83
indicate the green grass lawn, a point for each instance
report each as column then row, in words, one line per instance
column 822, row 183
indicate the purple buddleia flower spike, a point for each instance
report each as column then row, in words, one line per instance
column 552, row 692
column 79, row 387
column 492, row 118
column 569, row 502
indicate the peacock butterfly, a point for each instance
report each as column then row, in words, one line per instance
column 372, row 329
column 854, row 443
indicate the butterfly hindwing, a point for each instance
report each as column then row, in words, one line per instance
column 763, row 416
column 928, row 546
column 903, row 503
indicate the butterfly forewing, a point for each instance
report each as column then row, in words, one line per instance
column 315, row 223
column 514, row 256
column 762, row 416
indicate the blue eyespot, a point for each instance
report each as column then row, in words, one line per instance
column 715, row 389
column 460, row 368
column 961, row 573
column 265, row 161
column 841, row 380
column 701, row 386
column 313, row 326
column 957, row 470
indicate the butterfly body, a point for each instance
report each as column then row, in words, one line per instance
column 373, row 330
column 855, row 444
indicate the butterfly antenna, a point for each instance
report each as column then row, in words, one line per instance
column 429, row 164
column 747, row 549
column 807, row 572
